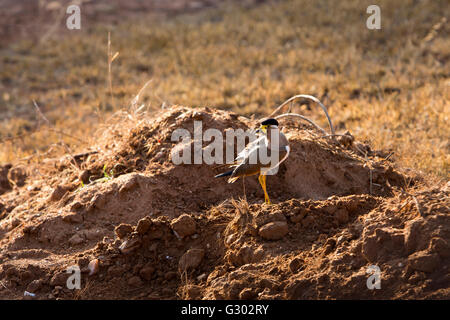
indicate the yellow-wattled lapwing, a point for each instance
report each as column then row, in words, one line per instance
column 248, row 162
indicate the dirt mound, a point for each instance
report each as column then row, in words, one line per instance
column 139, row 226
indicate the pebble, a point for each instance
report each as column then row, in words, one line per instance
column 184, row 225
column 191, row 259
column 274, row 230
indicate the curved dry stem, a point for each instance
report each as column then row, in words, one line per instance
column 306, row 96
column 304, row 118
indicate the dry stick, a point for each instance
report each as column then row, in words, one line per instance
column 301, row 117
column 390, row 155
column 416, row 202
column 335, row 135
column 370, row 173
column 306, row 96
column 109, row 69
column 4, row 286
column 111, row 58
column 135, row 100
column 417, row 205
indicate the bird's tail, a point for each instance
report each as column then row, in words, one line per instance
column 225, row 174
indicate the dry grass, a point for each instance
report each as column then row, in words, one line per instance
column 389, row 87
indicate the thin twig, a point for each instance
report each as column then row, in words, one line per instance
column 111, row 58
column 334, row 135
column 417, row 205
column 301, row 117
column 306, row 96
column 390, row 155
column 135, row 100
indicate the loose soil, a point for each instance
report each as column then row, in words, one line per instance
column 140, row 227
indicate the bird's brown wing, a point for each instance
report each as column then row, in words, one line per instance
column 249, row 165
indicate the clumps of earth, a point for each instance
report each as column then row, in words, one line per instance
column 137, row 226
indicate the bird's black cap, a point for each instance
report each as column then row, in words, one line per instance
column 270, row 121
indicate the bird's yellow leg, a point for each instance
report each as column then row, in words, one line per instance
column 262, row 181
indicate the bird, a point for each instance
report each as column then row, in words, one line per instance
column 245, row 164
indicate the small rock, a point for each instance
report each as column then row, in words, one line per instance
column 58, row 193
column 440, row 246
column 170, row 275
column 147, row 272
column 300, row 215
column 34, row 286
column 143, row 225
column 92, row 234
column 184, row 226
column 131, row 244
column 17, row 176
column 129, row 183
column 59, row 279
column 98, row 201
column 135, row 281
column 274, row 230
column 123, row 230
column 246, row 254
column 346, row 140
column 73, row 218
column 381, row 243
column 76, row 239
column 76, row 206
column 423, row 261
column 82, row 262
column 295, row 265
column 247, row 294
column 191, row 259
column 93, row 266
